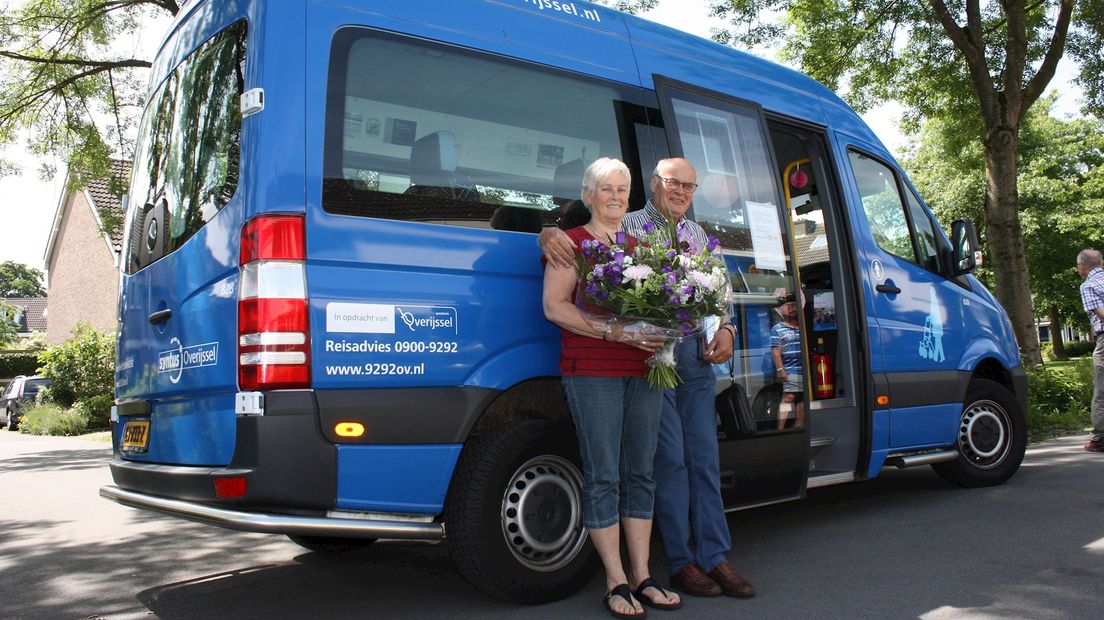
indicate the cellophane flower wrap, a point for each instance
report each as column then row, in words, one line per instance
column 658, row 283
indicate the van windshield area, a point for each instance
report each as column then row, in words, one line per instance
column 430, row 133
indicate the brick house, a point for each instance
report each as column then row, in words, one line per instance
column 82, row 261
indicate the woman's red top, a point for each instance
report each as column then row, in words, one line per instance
column 583, row 356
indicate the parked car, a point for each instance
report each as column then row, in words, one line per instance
column 19, row 393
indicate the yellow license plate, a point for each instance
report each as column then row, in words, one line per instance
column 136, row 436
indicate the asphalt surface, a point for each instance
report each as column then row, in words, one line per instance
column 905, row 545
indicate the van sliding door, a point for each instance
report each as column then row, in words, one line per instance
column 764, row 442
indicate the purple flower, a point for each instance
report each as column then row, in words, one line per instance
column 619, row 255
column 592, row 289
column 683, row 315
column 649, row 227
column 713, row 243
column 671, row 253
column 620, row 238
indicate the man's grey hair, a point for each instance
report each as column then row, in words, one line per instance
column 1089, row 258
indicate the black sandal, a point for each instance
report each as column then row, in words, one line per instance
column 624, row 592
column 652, row 583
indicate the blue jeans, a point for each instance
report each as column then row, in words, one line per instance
column 689, row 510
column 616, row 420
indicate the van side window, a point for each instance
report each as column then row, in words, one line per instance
column 881, row 201
column 928, row 240
column 187, row 156
column 423, row 132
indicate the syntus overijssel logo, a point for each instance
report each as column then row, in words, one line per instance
column 428, row 318
column 176, row 361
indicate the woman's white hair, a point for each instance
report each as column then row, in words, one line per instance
column 600, row 169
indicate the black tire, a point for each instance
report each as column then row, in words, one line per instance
column 13, row 420
column 513, row 517
column 992, row 437
column 330, row 545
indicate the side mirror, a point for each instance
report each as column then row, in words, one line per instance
column 965, row 254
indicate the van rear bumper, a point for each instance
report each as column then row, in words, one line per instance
column 274, row 523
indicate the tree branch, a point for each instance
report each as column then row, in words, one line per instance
column 970, row 41
column 1035, row 87
column 79, row 62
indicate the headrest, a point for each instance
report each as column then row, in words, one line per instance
column 567, row 181
column 432, row 155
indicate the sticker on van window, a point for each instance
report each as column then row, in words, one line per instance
column 176, row 361
column 931, row 345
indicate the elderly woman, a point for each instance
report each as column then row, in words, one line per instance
column 616, row 413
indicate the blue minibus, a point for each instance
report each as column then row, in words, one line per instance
column 329, row 324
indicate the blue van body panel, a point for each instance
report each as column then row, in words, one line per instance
column 440, row 324
column 924, row 426
column 409, row 479
column 879, row 441
column 514, row 28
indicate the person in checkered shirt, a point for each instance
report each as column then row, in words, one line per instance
column 1092, row 297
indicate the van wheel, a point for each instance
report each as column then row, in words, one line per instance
column 330, row 545
column 992, row 437
column 513, row 518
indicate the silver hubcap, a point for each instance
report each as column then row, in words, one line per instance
column 984, row 434
column 542, row 513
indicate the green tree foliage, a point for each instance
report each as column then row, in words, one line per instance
column 64, row 84
column 82, row 367
column 629, row 6
column 19, row 280
column 979, row 66
column 8, row 332
column 1061, row 187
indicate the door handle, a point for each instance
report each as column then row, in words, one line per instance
column 881, row 288
column 160, row 316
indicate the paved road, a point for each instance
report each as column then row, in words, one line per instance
column 905, row 545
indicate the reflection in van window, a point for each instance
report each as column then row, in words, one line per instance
column 928, row 241
column 883, row 207
column 186, row 168
column 428, row 133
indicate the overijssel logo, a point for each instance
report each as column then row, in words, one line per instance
column 176, row 361
column 432, row 318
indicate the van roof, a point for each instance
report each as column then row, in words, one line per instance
column 588, row 38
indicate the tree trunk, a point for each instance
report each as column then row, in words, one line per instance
column 1009, row 261
column 1057, row 344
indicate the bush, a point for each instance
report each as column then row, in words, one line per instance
column 50, row 419
column 14, row 363
column 1080, row 348
column 81, row 367
column 1059, row 397
column 96, row 411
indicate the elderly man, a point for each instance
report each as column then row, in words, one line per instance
column 1092, row 297
column 689, row 511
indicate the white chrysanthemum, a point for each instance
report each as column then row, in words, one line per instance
column 637, row 273
column 666, row 355
column 705, row 281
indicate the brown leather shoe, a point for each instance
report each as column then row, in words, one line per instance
column 692, row 580
column 731, row 582
column 1096, row 444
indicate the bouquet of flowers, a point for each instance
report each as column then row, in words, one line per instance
column 658, row 283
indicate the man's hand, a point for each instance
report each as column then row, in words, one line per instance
column 719, row 350
column 557, row 248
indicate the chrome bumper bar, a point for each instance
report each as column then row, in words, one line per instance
column 273, row 523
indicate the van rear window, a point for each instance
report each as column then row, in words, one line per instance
column 187, row 156
column 430, row 133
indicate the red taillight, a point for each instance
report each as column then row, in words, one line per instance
column 269, row 237
column 273, row 321
column 228, row 488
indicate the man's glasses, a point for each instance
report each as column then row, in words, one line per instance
column 672, row 183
